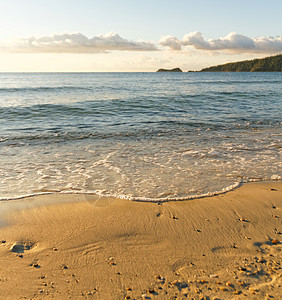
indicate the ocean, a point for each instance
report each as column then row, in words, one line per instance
column 138, row 136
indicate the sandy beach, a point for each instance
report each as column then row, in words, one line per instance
column 89, row 247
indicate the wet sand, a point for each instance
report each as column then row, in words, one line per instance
column 221, row 247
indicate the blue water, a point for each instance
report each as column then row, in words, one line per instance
column 150, row 136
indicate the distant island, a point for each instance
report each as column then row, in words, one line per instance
column 267, row 64
column 170, row 70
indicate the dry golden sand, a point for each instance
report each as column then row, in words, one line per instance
column 222, row 247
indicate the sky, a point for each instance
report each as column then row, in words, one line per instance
column 135, row 36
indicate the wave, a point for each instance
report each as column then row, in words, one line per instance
column 44, row 89
column 103, row 193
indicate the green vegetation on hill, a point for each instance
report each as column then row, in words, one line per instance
column 267, row 64
column 170, row 70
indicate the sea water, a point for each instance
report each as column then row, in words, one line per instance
column 139, row 136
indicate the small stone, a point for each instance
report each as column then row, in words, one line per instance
column 243, row 220
column 55, row 249
column 127, row 297
column 128, row 289
column 223, row 289
column 275, row 242
column 36, row 265
column 203, row 281
column 158, row 277
column 151, row 291
column 229, row 284
column 64, row 267
column 3, row 241
column 213, row 276
column 174, row 282
column 20, row 256
column 236, row 292
column 275, row 216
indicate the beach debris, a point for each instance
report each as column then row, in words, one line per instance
column 55, row 249
column 272, row 189
column 20, row 256
column 275, row 216
column 213, row 276
column 275, row 242
column 3, row 241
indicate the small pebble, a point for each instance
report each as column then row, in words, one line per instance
column 275, row 242
column 174, row 282
column 3, row 241
column 151, row 291
column 158, row 277
column 36, row 265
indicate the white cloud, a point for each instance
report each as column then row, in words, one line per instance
column 233, row 42
column 77, row 43
column 170, row 41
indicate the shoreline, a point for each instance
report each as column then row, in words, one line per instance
column 96, row 247
column 225, row 190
